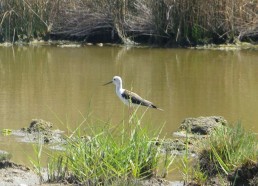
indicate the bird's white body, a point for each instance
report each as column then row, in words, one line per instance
column 119, row 93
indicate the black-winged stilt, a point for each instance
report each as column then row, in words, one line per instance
column 129, row 98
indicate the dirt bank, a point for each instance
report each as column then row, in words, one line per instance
column 13, row 174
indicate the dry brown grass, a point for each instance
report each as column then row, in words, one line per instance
column 164, row 21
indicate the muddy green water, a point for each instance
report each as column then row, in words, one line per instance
column 51, row 82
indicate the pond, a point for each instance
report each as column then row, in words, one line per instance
column 63, row 85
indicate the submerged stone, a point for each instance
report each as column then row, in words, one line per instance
column 39, row 125
column 39, row 130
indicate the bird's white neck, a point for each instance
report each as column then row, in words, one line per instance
column 119, row 88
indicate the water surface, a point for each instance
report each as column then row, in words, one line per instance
column 61, row 85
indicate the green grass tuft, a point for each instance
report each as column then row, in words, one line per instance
column 109, row 154
column 229, row 148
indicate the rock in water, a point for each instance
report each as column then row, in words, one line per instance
column 202, row 125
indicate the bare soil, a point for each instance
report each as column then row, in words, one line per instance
column 13, row 174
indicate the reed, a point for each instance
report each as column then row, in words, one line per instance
column 154, row 21
column 26, row 19
column 36, row 162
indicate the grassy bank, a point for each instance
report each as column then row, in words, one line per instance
column 164, row 22
column 98, row 153
column 122, row 154
column 229, row 155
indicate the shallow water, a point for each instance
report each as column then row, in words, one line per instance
column 63, row 85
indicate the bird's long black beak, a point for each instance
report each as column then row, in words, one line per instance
column 107, row 83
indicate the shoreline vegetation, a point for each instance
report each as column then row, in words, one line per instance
column 167, row 23
column 209, row 152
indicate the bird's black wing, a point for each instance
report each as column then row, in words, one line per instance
column 136, row 99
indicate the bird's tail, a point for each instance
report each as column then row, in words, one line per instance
column 153, row 106
column 159, row 109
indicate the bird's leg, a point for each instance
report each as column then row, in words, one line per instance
column 130, row 110
column 130, row 113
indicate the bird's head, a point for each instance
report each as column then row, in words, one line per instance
column 116, row 80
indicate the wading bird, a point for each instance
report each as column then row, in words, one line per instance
column 130, row 98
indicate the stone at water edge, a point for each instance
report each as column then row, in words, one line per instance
column 202, row 125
